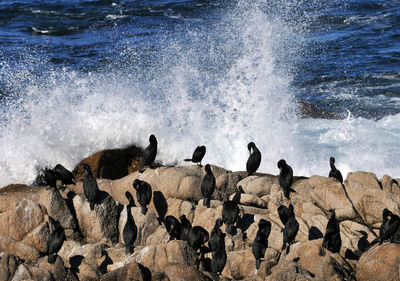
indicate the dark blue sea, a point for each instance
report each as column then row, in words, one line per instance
column 78, row 76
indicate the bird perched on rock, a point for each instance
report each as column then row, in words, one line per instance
column 129, row 233
column 285, row 177
column 218, row 260
column 332, row 240
column 198, row 155
column 389, row 227
column 260, row 243
column 50, row 176
column 90, row 187
column 230, row 213
column 143, row 194
column 335, row 173
column 254, row 160
column 290, row 230
column 215, row 235
column 198, row 236
column 284, row 213
column 186, row 227
column 64, row 174
column 207, row 186
column 149, row 154
column 55, row 242
column 173, row 227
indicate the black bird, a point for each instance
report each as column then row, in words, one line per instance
column 335, row 173
column 285, row 177
column 218, row 260
column 230, row 213
column 50, row 176
column 290, row 230
column 389, row 227
column 260, row 243
column 173, row 227
column 284, row 213
column 90, row 187
column 198, row 236
column 186, row 227
column 207, row 186
column 332, row 240
column 129, row 233
column 143, row 194
column 64, row 175
column 215, row 234
column 55, row 242
column 198, row 155
column 149, row 154
column 254, row 159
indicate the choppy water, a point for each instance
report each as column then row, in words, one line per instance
column 80, row 76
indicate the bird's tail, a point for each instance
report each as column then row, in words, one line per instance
column 92, row 206
column 187, row 160
column 206, row 202
column 228, row 229
column 51, row 259
column 129, row 249
column 258, row 263
column 141, row 165
column 144, row 210
column 288, row 249
column 283, row 246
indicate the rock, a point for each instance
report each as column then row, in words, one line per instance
column 258, row 185
column 368, row 198
column 57, row 270
column 132, row 271
column 8, row 266
column 381, row 262
column 39, row 236
column 241, row 264
column 157, row 257
column 251, row 200
column 73, row 253
column 146, row 224
column 101, row 223
column 390, row 185
column 28, row 272
column 226, row 183
column 18, row 249
column 180, row 272
column 308, row 110
column 56, row 207
column 111, row 163
column 288, row 271
column 24, row 214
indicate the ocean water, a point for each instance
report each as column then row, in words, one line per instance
column 80, row 76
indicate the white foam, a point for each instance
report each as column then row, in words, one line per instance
column 63, row 116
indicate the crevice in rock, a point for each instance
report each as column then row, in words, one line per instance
column 361, row 221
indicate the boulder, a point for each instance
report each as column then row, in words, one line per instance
column 367, row 197
column 8, row 266
column 180, row 272
column 18, row 249
column 57, row 270
column 258, row 185
column 379, row 263
column 28, row 272
column 19, row 215
column 251, row 200
column 132, row 271
column 157, row 257
column 101, row 223
column 39, row 236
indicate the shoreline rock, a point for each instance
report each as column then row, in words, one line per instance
column 94, row 248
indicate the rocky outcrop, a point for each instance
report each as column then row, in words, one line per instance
column 94, row 249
